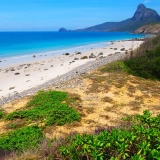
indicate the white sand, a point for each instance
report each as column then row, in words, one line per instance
column 36, row 72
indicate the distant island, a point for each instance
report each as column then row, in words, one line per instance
column 141, row 17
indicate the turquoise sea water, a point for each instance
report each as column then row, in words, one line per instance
column 15, row 44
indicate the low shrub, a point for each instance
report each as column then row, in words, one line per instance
column 1, row 113
column 141, row 141
column 47, row 107
column 21, row 139
column 117, row 66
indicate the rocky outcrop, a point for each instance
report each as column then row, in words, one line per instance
column 62, row 30
column 150, row 29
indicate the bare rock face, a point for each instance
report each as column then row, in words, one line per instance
column 145, row 14
column 152, row 29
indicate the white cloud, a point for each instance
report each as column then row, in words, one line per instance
column 146, row 1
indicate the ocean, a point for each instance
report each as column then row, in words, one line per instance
column 19, row 44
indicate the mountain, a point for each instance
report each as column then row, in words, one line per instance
column 141, row 17
column 151, row 28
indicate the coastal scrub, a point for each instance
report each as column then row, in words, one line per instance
column 47, row 107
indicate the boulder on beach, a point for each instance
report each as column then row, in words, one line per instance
column 76, row 58
column 84, row 57
column 12, row 69
column 66, row 54
column 78, row 53
column 16, row 73
column 11, row 88
column 92, row 56
column 100, row 54
column 122, row 49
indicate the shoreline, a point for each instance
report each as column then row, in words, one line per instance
column 27, row 58
column 58, row 69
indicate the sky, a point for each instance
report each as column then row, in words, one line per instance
column 50, row 15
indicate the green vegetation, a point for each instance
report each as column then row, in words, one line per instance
column 139, row 141
column 145, row 62
column 47, row 107
column 146, row 66
column 21, row 139
column 117, row 66
column 1, row 113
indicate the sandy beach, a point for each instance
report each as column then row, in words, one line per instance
column 21, row 77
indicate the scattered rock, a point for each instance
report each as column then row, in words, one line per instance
column 16, row 73
column 11, row 88
column 78, row 53
column 12, row 69
column 92, row 56
column 115, row 48
column 51, row 66
column 122, row 49
column 0, row 61
column 100, row 54
column 27, row 74
column 66, row 54
column 76, row 58
column 34, row 56
column 45, row 69
column 84, row 57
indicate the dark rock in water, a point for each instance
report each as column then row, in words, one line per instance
column 17, row 73
column 66, row 54
column 62, row 30
column 100, row 54
column 0, row 61
column 34, row 56
column 84, row 57
column 92, row 56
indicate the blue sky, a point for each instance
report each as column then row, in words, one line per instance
column 50, row 15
